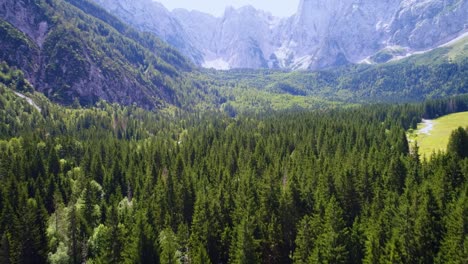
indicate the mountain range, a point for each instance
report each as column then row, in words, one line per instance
column 322, row 34
column 74, row 51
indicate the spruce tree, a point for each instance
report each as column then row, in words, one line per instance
column 458, row 143
column 455, row 240
column 169, row 247
column 331, row 244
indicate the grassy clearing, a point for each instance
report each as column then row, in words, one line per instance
column 436, row 139
column 459, row 50
column 251, row 100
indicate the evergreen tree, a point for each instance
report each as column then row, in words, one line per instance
column 330, row 246
column 141, row 248
column 401, row 248
column 458, row 143
column 309, row 229
column 244, row 247
column 5, row 249
column 97, row 170
column 74, row 234
column 200, row 255
column 117, row 234
column 170, row 253
column 53, row 163
column 454, row 243
column 428, row 229
column 200, row 227
column 88, row 207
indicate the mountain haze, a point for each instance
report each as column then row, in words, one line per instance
column 322, row 34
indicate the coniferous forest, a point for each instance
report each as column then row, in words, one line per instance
column 115, row 148
column 115, row 184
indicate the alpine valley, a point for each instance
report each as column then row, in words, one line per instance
column 134, row 134
column 75, row 51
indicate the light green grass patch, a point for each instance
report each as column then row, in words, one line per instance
column 436, row 139
column 459, row 50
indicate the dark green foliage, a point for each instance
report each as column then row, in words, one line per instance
column 440, row 107
column 78, row 54
column 454, row 243
column 458, row 143
column 14, row 79
column 244, row 249
column 114, row 184
column 169, row 247
column 307, row 234
column 330, row 245
column 404, row 81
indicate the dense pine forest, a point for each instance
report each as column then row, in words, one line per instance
column 115, row 184
column 115, row 148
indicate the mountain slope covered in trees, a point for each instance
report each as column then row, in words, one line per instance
column 435, row 74
column 74, row 50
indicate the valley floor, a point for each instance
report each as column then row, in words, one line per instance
column 433, row 135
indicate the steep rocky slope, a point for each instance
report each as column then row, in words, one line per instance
column 150, row 16
column 73, row 50
column 322, row 34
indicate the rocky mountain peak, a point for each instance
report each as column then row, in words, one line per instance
column 321, row 34
column 151, row 16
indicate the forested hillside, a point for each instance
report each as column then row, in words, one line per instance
column 115, row 184
column 74, row 51
column 436, row 74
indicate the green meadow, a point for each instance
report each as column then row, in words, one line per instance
column 433, row 135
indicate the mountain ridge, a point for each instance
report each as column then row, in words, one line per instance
column 319, row 36
column 74, row 50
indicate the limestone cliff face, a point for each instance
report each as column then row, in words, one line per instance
column 331, row 33
column 321, row 34
column 24, row 49
column 425, row 24
column 150, row 16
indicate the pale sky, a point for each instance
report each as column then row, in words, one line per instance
column 281, row 8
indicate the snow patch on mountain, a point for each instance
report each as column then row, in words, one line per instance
column 322, row 34
column 218, row 64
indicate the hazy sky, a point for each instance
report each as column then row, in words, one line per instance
column 281, row 8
